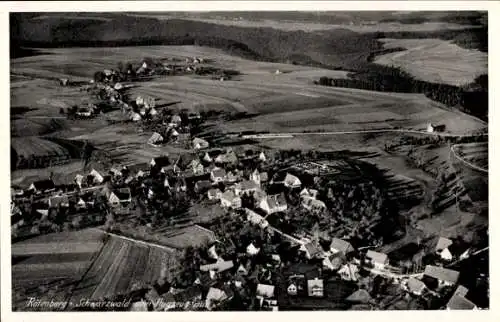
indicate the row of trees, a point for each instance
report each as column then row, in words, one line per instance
column 471, row 98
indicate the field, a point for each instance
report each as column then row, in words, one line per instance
column 435, row 60
column 121, row 266
column 48, row 266
column 285, row 102
column 34, row 146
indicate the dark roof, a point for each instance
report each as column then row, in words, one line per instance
column 44, row 184
column 134, row 168
column 203, row 184
column 161, row 161
column 122, row 193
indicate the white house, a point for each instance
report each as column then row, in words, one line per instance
column 315, row 287
column 199, row 144
column 272, row 204
column 230, row 200
column 292, row 181
column 217, row 175
column 379, row 260
column 264, row 290
column 349, row 272
column 292, row 289
column 155, row 139
column 252, row 250
column 442, row 248
column 98, row 178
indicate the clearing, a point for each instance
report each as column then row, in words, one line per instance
column 435, row 60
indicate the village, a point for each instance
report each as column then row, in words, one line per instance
column 241, row 256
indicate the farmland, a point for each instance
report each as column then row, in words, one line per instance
column 48, row 266
column 121, row 266
column 435, row 60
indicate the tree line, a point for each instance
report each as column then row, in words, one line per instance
column 471, row 98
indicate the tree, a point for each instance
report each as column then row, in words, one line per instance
column 99, row 77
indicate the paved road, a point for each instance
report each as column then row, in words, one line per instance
column 293, row 134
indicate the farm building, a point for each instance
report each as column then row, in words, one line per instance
column 415, row 286
column 444, row 276
column 341, row 246
column 155, row 139
column 459, row 301
column 272, row 204
column 246, row 187
column 219, row 266
column 217, row 175
column 255, row 218
column 199, row 144
column 379, row 260
column 160, row 162
column 227, row 158
column 119, row 196
column 230, row 200
column 42, row 186
column 214, row 194
column 291, row 181
column 442, row 248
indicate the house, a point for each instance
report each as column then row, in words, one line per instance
column 202, row 185
column 233, row 176
column 79, row 180
column 160, row 162
column 252, row 250
column 444, row 276
column 42, row 186
column 459, row 302
column 215, row 296
column 58, row 201
column 292, row 181
column 218, row 267
column 246, row 187
column 155, row 139
column 315, row 287
column 340, row 246
column 97, row 177
column 313, row 204
column 273, row 204
column 333, row 262
column 442, row 248
column 196, row 167
column 136, row 117
column 311, row 250
column 207, row 158
column 256, row 219
column 378, row 260
column 415, row 286
column 227, row 158
column 199, row 144
column 265, row 291
column 214, row 194
column 81, row 204
column 262, row 157
column 263, row 177
column 230, row 200
column 119, row 196
column 255, row 176
column 349, row 272
column 217, row 175
column 115, row 172
column 292, row 289
column 242, row 270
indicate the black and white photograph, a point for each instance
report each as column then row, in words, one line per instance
column 292, row 160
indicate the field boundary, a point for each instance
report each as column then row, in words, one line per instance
column 467, row 163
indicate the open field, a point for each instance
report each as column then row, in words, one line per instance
column 47, row 266
column 435, row 60
column 120, row 266
column 286, row 102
